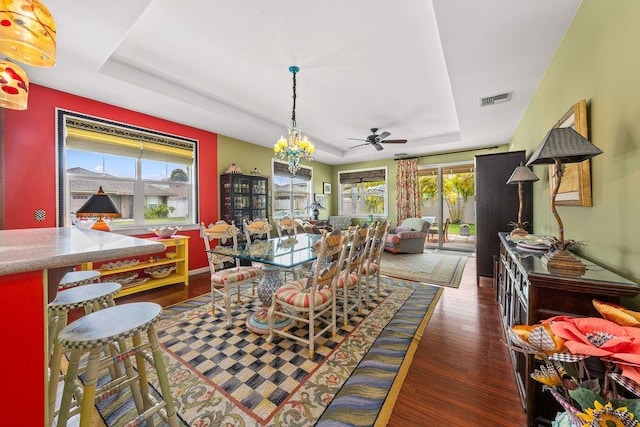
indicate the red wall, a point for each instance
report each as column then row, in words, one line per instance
column 30, row 161
column 24, row 366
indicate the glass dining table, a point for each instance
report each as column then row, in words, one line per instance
column 274, row 255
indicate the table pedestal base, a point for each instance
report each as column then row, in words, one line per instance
column 259, row 324
column 268, row 284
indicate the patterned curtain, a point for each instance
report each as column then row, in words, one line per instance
column 409, row 202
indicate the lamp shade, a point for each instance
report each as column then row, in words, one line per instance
column 27, row 32
column 565, row 144
column 14, row 86
column 99, row 205
column 522, row 174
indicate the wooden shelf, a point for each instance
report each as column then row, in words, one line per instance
column 178, row 244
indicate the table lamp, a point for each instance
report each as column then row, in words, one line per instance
column 562, row 145
column 521, row 174
column 99, row 206
column 315, row 209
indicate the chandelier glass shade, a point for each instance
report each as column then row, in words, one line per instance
column 27, row 32
column 296, row 146
column 27, row 35
column 14, row 86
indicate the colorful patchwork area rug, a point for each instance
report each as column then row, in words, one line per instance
column 232, row 377
column 427, row 268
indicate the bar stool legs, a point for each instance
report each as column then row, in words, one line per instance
column 115, row 325
column 90, row 297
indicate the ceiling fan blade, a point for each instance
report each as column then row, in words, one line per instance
column 359, row 145
column 357, row 139
column 378, row 146
column 383, row 135
column 394, row 141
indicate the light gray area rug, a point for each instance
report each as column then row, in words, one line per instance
column 430, row 268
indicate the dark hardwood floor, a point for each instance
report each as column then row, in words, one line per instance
column 461, row 373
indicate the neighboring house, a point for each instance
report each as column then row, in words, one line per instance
column 82, row 184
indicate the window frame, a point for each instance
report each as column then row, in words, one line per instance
column 147, row 137
column 309, row 192
column 341, row 210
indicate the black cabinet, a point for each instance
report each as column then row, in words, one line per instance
column 243, row 197
column 497, row 205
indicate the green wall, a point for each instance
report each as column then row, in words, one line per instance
column 249, row 156
column 392, row 170
column 598, row 60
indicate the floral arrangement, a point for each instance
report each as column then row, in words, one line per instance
column 570, row 348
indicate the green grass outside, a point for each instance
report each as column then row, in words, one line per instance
column 455, row 229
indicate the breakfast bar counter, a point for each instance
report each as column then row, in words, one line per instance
column 34, row 249
column 32, row 261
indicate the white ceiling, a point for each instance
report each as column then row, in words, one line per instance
column 414, row 68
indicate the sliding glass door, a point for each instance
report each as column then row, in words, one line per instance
column 448, row 203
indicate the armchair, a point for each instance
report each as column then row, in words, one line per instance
column 409, row 237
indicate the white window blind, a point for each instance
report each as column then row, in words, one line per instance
column 86, row 136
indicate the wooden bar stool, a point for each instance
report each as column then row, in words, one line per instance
column 90, row 297
column 70, row 280
column 114, row 325
column 78, row 278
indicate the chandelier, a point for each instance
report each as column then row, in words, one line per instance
column 296, row 147
column 28, row 35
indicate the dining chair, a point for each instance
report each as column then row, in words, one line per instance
column 349, row 284
column 311, row 300
column 287, row 228
column 371, row 266
column 227, row 282
column 255, row 231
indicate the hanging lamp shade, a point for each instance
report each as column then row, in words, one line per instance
column 27, row 32
column 14, row 86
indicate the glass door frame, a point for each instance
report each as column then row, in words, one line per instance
column 441, row 170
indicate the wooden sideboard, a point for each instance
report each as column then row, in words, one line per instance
column 527, row 293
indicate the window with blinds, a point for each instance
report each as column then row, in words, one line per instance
column 291, row 193
column 150, row 175
column 363, row 193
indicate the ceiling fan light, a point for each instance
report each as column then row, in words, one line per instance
column 27, row 32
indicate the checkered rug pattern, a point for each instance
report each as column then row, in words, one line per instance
column 223, row 375
column 253, row 374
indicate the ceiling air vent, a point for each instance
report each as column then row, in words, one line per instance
column 495, row 99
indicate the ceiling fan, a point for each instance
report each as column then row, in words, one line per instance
column 375, row 140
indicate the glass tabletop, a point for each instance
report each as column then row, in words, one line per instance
column 285, row 252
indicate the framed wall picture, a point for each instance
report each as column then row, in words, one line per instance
column 575, row 188
column 326, row 187
column 320, row 198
